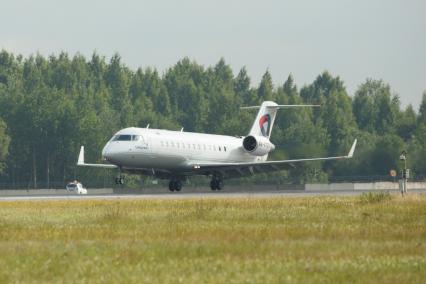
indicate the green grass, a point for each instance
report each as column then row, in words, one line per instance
column 374, row 197
column 295, row 240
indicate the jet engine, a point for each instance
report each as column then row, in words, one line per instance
column 257, row 145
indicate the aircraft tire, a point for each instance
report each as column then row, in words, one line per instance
column 213, row 185
column 216, row 184
column 178, row 185
column 119, row 180
column 219, row 185
column 175, row 185
column 172, row 186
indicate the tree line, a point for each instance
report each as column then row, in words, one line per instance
column 49, row 106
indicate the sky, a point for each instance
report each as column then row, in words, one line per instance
column 352, row 39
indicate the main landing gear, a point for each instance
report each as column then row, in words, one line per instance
column 216, row 183
column 175, row 185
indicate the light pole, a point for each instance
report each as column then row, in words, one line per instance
column 405, row 173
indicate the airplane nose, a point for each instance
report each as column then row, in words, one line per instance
column 105, row 153
column 112, row 153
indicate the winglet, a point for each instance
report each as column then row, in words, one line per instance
column 80, row 161
column 351, row 152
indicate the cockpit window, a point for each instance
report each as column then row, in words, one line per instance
column 127, row 138
column 123, row 138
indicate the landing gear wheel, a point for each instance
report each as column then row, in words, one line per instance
column 175, row 185
column 178, row 185
column 213, row 185
column 219, row 185
column 119, row 180
column 172, row 185
column 216, row 184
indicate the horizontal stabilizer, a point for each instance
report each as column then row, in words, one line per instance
column 279, row 106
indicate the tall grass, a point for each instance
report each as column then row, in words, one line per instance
column 375, row 197
column 242, row 240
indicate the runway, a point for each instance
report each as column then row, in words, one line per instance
column 201, row 195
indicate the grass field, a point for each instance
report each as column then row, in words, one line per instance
column 367, row 239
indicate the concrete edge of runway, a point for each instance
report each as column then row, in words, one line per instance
column 199, row 195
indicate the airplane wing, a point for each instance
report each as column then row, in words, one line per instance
column 81, row 162
column 229, row 170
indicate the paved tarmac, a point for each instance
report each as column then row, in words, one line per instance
column 192, row 195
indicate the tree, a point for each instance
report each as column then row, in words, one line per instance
column 242, row 88
column 422, row 110
column 117, row 78
column 53, row 105
column 375, row 108
column 265, row 90
column 290, row 89
column 385, row 155
column 364, row 110
column 417, row 150
column 4, row 145
column 185, row 86
column 321, row 88
column 304, row 139
column 335, row 111
column 406, row 123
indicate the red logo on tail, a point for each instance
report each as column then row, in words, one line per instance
column 265, row 124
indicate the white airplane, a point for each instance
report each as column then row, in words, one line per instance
column 175, row 155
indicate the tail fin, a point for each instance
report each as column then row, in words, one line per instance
column 262, row 126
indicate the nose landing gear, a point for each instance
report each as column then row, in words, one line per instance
column 119, row 180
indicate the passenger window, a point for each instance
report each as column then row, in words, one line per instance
column 224, row 148
column 199, row 147
column 220, row 149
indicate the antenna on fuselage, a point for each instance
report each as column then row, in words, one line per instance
column 147, row 126
column 181, row 130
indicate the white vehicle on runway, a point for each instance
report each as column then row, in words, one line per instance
column 175, row 155
column 77, row 187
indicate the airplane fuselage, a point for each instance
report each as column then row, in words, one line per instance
column 173, row 151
